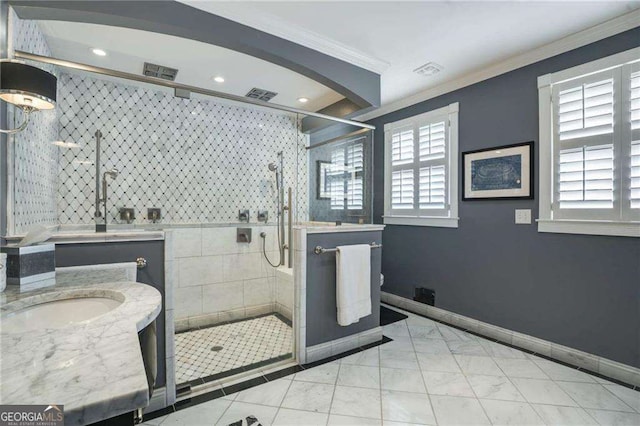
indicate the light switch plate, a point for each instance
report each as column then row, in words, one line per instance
column 523, row 216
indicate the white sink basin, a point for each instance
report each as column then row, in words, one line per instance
column 58, row 313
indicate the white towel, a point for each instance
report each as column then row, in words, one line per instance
column 353, row 283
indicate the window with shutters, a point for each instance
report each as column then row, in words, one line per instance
column 421, row 171
column 345, row 176
column 590, row 148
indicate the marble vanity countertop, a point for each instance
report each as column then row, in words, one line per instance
column 94, row 368
column 88, row 236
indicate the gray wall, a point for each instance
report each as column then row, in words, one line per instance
column 322, row 322
column 116, row 252
column 576, row 290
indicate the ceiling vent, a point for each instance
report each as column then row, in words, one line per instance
column 159, row 71
column 261, row 94
column 428, row 69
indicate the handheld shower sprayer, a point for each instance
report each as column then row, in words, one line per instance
column 113, row 173
column 277, row 167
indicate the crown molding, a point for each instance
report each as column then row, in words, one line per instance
column 582, row 38
column 278, row 27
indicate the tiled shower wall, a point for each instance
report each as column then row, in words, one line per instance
column 35, row 159
column 198, row 160
column 216, row 279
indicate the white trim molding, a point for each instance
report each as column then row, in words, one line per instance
column 344, row 344
column 279, row 27
column 575, row 357
column 590, row 227
column 443, row 222
column 573, row 41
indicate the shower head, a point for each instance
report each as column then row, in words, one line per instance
column 111, row 173
column 273, row 167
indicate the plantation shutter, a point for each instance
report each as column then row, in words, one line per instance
column 432, row 187
column 635, row 100
column 355, row 162
column 586, row 110
column 402, row 180
column 346, row 183
column 402, row 147
column 419, row 162
column 634, row 150
column 585, row 147
column 336, row 185
column 402, row 190
column 635, row 175
column 432, row 141
column 586, row 178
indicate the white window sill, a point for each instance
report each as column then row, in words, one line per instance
column 442, row 222
column 590, row 227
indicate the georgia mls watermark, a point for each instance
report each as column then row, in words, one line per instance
column 31, row 415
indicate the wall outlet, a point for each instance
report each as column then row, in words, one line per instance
column 523, row 216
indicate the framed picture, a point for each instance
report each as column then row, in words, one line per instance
column 503, row 172
column 322, row 184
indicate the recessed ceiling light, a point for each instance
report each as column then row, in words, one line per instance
column 303, row 100
column 63, row 144
column 219, row 79
column 98, row 52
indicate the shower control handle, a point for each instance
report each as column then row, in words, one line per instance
column 243, row 216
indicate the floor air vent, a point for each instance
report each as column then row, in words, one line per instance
column 425, row 295
column 159, row 71
column 261, row 94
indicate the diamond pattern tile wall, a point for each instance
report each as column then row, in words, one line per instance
column 199, row 160
column 35, row 159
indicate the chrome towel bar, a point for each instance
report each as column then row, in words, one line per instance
column 321, row 250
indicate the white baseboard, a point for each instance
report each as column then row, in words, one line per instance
column 344, row 344
column 575, row 357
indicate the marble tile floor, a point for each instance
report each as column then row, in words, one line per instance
column 430, row 374
column 214, row 350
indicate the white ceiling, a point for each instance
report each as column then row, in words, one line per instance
column 197, row 63
column 394, row 38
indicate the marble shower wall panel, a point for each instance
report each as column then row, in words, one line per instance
column 198, row 160
column 215, row 279
column 34, row 158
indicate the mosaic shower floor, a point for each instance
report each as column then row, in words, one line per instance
column 226, row 349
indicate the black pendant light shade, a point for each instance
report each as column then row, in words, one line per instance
column 27, row 86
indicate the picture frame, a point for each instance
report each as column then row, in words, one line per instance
column 322, row 185
column 498, row 173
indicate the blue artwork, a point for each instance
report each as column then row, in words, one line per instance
column 496, row 173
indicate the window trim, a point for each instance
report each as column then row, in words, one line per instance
column 545, row 221
column 450, row 221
